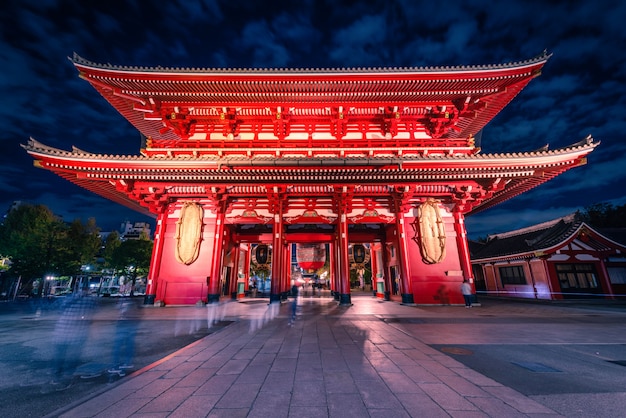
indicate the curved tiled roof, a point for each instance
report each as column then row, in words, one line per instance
column 498, row 177
column 77, row 59
column 400, row 155
column 438, row 102
column 538, row 239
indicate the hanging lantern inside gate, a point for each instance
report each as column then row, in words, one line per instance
column 311, row 256
column 358, row 256
column 260, row 260
column 261, row 254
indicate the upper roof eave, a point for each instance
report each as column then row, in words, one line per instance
column 582, row 147
column 79, row 61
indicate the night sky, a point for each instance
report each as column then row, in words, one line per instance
column 582, row 89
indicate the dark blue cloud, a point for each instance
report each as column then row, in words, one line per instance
column 582, row 89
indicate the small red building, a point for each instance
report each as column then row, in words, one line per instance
column 242, row 166
column 564, row 258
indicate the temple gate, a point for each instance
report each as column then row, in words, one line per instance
column 238, row 165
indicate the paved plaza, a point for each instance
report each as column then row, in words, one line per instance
column 383, row 359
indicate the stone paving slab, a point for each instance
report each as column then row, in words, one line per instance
column 334, row 362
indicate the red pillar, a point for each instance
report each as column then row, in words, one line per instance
column 461, row 242
column 277, row 255
column 606, row 282
column 386, row 271
column 376, row 268
column 155, row 260
column 234, row 282
column 246, row 267
column 334, row 270
column 405, row 279
column 216, row 266
column 344, row 265
column 286, row 284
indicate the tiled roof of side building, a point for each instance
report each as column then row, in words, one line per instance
column 533, row 238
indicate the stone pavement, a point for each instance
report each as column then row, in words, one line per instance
column 357, row 361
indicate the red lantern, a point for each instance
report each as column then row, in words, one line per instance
column 311, row 257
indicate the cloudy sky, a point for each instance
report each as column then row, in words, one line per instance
column 582, row 89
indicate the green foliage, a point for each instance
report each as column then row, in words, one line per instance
column 40, row 243
column 111, row 243
column 605, row 215
column 83, row 244
column 131, row 258
column 32, row 237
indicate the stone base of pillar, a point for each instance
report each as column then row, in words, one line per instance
column 212, row 298
column 335, row 295
column 345, row 299
column 149, row 299
column 407, row 299
column 233, row 295
column 274, row 297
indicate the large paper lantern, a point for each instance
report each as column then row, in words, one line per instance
column 311, row 257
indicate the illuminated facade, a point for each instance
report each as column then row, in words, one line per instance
column 238, row 165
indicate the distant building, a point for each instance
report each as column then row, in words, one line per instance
column 130, row 230
column 559, row 259
column 16, row 204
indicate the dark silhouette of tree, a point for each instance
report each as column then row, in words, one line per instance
column 40, row 244
column 82, row 246
column 605, row 215
column 111, row 243
column 32, row 237
column 132, row 258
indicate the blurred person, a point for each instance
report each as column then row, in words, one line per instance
column 129, row 315
column 258, row 321
column 70, row 335
column 294, row 303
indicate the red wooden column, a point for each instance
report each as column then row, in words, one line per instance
column 606, row 281
column 155, row 260
column 277, row 257
column 334, row 270
column 461, row 242
column 216, row 265
column 234, row 281
column 246, row 264
column 406, row 291
column 345, row 298
column 286, row 284
column 376, row 268
column 386, row 270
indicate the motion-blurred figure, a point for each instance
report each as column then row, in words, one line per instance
column 70, row 335
column 294, row 303
column 259, row 321
column 129, row 315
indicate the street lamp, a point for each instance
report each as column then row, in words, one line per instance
column 48, row 282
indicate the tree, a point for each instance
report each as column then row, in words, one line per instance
column 132, row 258
column 32, row 237
column 40, row 244
column 605, row 215
column 111, row 243
column 81, row 247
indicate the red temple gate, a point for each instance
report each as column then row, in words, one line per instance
column 236, row 159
